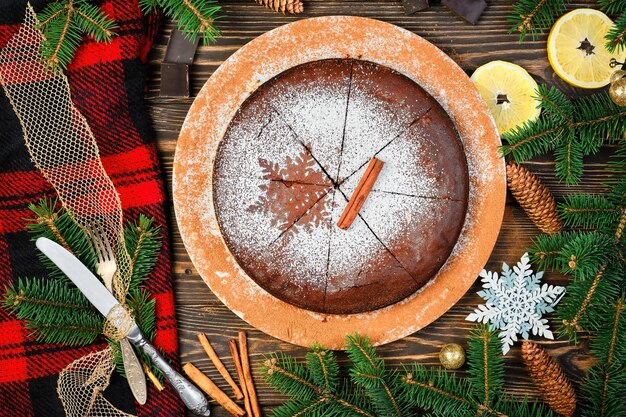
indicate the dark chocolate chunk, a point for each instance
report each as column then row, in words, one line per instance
column 174, row 80
column 470, row 10
column 180, row 50
column 413, row 6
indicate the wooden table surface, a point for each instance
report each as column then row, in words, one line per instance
column 470, row 46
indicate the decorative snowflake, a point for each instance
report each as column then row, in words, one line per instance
column 294, row 194
column 516, row 302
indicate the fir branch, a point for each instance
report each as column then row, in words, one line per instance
column 533, row 138
column 534, row 16
column 54, row 312
column 573, row 129
column 65, row 333
column 604, row 390
column 291, row 378
column 581, row 253
column 605, row 386
column 439, row 391
column 612, row 6
column 94, row 22
column 569, row 159
column 589, row 211
column 195, row 17
column 63, row 25
column 616, row 36
column 486, row 366
column 324, row 368
column 368, row 371
column 586, row 253
column 143, row 243
column 53, row 222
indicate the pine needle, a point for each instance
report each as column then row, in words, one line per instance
column 572, row 129
column 533, row 17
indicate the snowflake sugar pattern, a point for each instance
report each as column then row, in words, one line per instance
column 516, row 302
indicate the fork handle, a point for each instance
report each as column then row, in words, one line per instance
column 191, row 396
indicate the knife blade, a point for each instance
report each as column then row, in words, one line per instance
column 104, row 301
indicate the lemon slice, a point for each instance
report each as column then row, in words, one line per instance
column 509, row 92
column 576, row 48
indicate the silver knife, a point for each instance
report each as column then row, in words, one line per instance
column 104, row 301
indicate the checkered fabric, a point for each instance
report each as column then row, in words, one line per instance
column 107, row 83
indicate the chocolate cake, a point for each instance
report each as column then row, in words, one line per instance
column 293, row 156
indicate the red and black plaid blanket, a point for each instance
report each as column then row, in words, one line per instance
column 107, row 83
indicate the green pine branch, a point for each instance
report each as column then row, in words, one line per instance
column 616, row 37
column 143, row 243
column 324, row 368
column 315, row 388
column 485, row 363
column 54, row 312
column 588, row 211
column 53, row 222
column 308, row 398
column 612, row 6
column 368, row 372
column 605, row 385
column 64, row 23
column 195, row 17
column 482, row 394
column 532, row 17
column 572, row 129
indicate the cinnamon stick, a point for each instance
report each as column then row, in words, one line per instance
column 219, row 365
column 212, row 390
column 152, row 377
column 245, row 365
column 361, row 192
column 234, row 350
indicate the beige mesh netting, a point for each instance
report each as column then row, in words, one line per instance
column 63, row 148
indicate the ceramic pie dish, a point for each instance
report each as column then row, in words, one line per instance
column 273, row 147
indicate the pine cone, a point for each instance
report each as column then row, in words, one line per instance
column 534, row 198
column 555, row 388
column 283, row 6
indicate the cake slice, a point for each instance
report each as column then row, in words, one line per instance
column 419, row 232
column 312, row 101
column 293, row 267
column 363, row 274
column 382, row 104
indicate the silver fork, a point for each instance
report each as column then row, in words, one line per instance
column 107, row 268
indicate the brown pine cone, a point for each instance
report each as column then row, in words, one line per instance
column 534, row 198
column 555, row 388
column 283, row 6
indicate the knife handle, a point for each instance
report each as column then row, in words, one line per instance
column 191, row 396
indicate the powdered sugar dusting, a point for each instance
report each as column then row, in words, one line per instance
column 333, row 117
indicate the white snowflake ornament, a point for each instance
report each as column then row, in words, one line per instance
column 515, row 302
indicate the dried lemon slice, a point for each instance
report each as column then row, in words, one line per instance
column 576, row 48
column 509, row 92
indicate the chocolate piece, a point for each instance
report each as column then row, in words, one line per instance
column 180, row 50
column 174, row 80
column 293, row 155
column 470, row 10
column 414, row 6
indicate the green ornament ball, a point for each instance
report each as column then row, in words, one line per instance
column 452, row 356
column 617, row 92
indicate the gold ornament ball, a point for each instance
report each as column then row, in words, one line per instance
column 452, row 356
column 617, row 75
column 617, row 91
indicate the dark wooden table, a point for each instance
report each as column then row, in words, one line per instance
column 470, row 46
